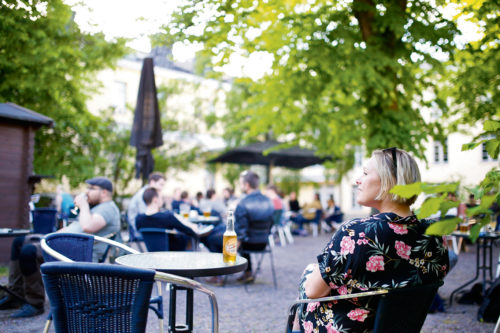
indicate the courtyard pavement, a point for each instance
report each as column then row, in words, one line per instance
column 261, row 308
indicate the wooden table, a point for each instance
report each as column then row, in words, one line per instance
column 186, row 264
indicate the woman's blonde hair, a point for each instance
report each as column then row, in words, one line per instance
column 405, row 167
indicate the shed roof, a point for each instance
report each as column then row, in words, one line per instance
column 15, row 112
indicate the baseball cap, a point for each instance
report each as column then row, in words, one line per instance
column 102, row 182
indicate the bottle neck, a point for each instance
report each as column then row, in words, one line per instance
column 230, row 223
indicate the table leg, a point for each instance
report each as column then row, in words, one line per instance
column 474, row 278
column 172, row 308
column 172, row 325
column 189, row 309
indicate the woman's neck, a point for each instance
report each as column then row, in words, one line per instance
column 395, row 207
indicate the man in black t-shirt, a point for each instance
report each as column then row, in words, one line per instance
column 153, row 218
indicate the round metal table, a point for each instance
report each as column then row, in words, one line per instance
column 186, row 264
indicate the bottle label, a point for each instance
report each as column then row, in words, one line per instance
column 230, row 246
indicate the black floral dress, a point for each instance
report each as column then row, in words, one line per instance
column 383, row 251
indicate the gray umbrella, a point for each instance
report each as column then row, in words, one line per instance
column 293, row 157
column 146, row 130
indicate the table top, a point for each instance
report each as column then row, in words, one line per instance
column 186, row 264
column 489, row 235
column 13, row 232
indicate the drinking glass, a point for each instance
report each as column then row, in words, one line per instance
column 184, row 210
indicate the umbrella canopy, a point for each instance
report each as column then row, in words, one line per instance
column 293, row 157
column 146, row 129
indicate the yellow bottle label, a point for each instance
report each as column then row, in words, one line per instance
column 229, row 248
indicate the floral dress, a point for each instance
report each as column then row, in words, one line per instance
column 383, row 251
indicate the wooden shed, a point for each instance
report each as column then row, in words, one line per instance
column 17, row 139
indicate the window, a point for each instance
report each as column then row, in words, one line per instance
column 119, row 98
column 441, row 151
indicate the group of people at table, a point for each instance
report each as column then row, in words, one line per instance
column 387, row 250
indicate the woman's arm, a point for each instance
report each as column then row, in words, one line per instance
column 315, row 286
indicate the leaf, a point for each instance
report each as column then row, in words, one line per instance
column 492, row 147
column 491, row 126
column 446, row 205
column 429, row 207
column 487, row 201
column 471, row 145
column 440, row 188
column 443, row 227
column 474, row 232
column 478, row 210
column 407, row 191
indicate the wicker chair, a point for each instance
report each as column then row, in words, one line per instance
column 91, row 297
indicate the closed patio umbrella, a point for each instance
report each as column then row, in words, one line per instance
column 146, row 129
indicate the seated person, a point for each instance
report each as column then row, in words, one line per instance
column 153, row 218
column 333, row 213
column 308, row 212
column 387, row 250
column 25, row 279
column 293, row 204
column 253, row 220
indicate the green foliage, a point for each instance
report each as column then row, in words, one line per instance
column 343, row 72
column 47, row 65
column 443, row 227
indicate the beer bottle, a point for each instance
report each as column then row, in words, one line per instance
column 229, row 243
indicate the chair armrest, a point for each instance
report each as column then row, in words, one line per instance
column 192, row 284
column 338, row 297
column 117, row 244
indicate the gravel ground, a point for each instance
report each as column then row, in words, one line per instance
column 261, row 308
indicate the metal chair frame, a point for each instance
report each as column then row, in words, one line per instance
column 381, row 323
column 158, row 310
column 171, row 279
column 267, row 249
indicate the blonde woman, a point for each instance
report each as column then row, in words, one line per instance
column 387, row 250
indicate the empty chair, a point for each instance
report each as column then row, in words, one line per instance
column 159, row 239
column 90, row 297
column 70, row 247
column 44, row 220
column 398, row 310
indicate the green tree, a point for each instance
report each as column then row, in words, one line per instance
column 473, row 98
column 344, row 74
column 48, row 64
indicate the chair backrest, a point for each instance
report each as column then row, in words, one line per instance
column 405, row 309
column 317, row 216
column 277, row 216
column 44, row 220
column 156, row 239
column 89, row 297
column 133, row 234
column 77, row 247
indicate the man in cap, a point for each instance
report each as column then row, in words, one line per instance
column 98, row 215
